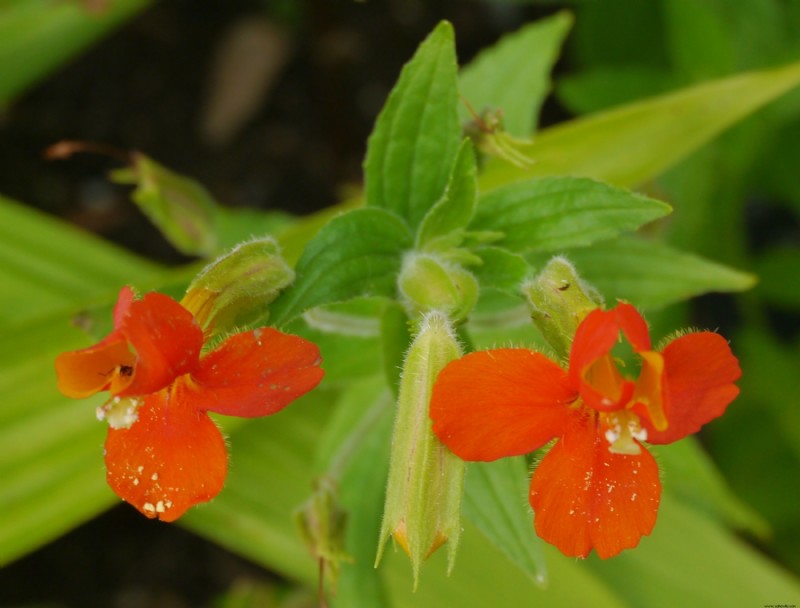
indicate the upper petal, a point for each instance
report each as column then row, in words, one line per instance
column 84, row 372
column 255, row 373
column 699, row 372
column 166, row 340
column 170, row 459
column 593, row 339
column 500, row 402
column 586, row 497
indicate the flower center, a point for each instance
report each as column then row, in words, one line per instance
column 120, row 412
column 623, row 431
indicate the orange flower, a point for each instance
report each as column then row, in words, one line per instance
column 163, row 452
column 597, row 488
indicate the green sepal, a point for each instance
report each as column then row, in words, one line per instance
column 238, row 287
column 559, row 301
column 180, row 208
column 425, row 487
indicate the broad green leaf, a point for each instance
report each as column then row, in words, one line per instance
column 455, row 209
column 514, row 74
column 47, row 265
column 417, row 135
column 553, row 214
column 636, row 142
column 356, row 254
column 650, row 274
column 36, row 36
column 691, row 561
column 501, row 269
column 494, row 500
column 596, row 89
column 689, row 474
column 52, row 457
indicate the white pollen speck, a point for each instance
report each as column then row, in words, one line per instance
column 635, row 471
column 140, row 469
column 633, row 496
column 100, row 412
column 572, row 511
column 610, row 489
column 596, row 519
column 136, row 481
column 148, row 506
column 167, row 504
column 612, row 509
column 160, row 506
column 154, row 477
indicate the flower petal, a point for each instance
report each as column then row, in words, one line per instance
column 500, row 402
column 633, row 326
column 586, row 497
column 699, row 371
column 82, row 373
column 255, row 373
column 166, row 340
column 171, row 458
column 594, row 339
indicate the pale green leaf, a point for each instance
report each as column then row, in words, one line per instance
column 691, row 561
column 495, row 500
column 417, row 135
column 650, row 274
column 514, row 74
column 636, row 142
column 555, row 213
column 48, row 266
column 357, row 254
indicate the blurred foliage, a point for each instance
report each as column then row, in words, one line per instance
column 725, row 193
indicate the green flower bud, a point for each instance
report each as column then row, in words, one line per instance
column 238, row 286
column 559, row 301
column 423, row 496
column 181, row 209
column 322, row 524
column 428, row 283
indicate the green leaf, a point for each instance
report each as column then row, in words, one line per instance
column 181, row 208
column 691, row 561
column 514, row 74
column 501, row 270
column 455, row 209
column 417, row 135
column 356, row 254
column 495, row 502
column 52, row 457
column 48, row 266
column 36, row 36
column 650, row 274
column 689, row 474
column 552, row 214
column 636, row 142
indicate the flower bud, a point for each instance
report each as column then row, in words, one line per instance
column 238, row 286
column 559, row 301
column 180, row 208
column 423, row 497
column 427, row 283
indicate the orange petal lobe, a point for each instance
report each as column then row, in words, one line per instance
column 633, row 326
column 594, row 338
column 699, row 372
column 502, row 402
column 166, row 340
column 586, row 497
column 170, row 459
column 82, row 373
column 255, row 373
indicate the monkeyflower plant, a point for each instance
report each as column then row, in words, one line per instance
column 598, row 486
column 163, row 374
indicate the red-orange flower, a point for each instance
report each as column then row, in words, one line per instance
column 163, row 452
column 597, row 488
